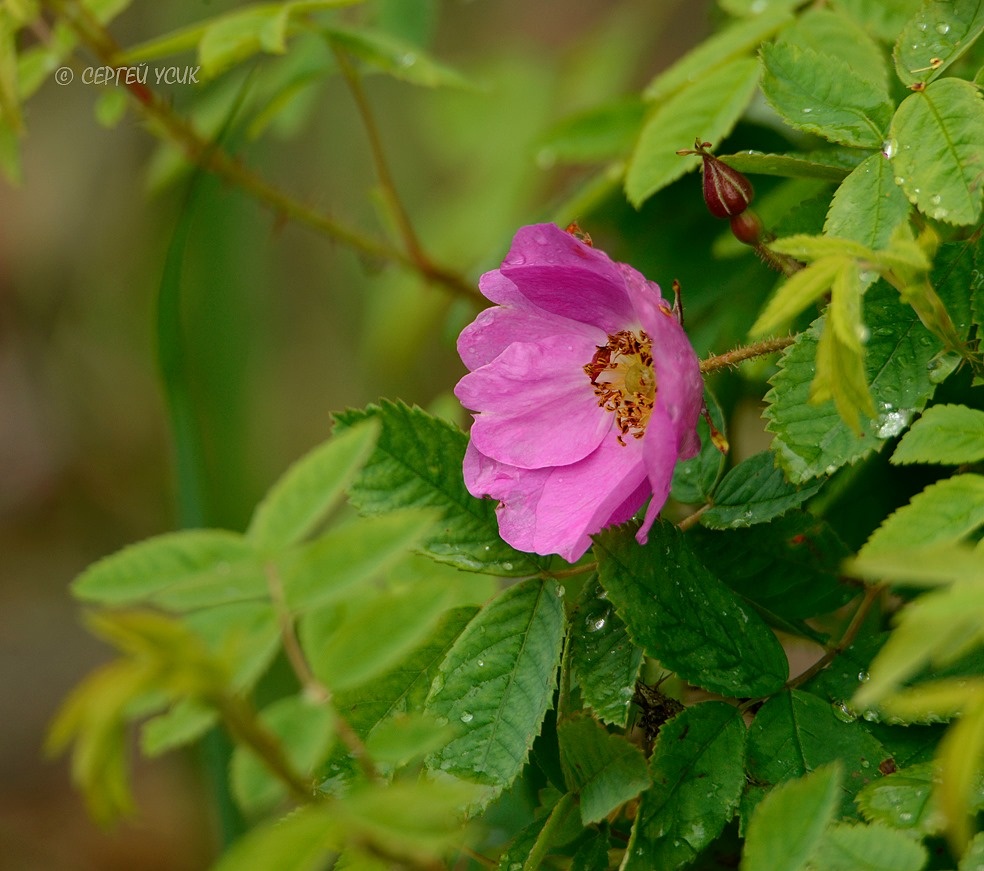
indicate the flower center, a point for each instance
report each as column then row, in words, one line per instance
column 622, row 375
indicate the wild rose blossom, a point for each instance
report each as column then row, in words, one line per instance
column 586, row 392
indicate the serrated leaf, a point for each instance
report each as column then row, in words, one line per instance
column 722, row 48
column 868, row 206
column 937, row 134
column 604, row 770
column 299, row 842
column 698, row 779
column 754, row 491
column 310, row 488
column 800, row 290
column 848, row 847
column 687, row 618
column 937, row 35
column 882, row 20
column 795, row 733
column 604, row 133
column 945, row 434
column 496, row 684
column 417, row 464
column 943, row 513
column 709, row 108
column 604, row 659
column 973, row 857
column 189, row 558
column 788, row 826
column 832, row 166
column 789, row 567
column 904, row 800
column 813, row 440
column 819, row 94
column 694, row 479
column 304, row 731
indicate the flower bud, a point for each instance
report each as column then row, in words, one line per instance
column 747, row 227
column 726, row 191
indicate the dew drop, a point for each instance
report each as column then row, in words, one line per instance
column 905, row 817
column 942, row 28
column 844, row 713
column 408, row 59
column 467, row 717
column 561, row 591
column 935, row 199
column 899, row 180
column 596, row 625
column 507, row 566
column 889, row 147
column 863, row 676
column 923, row 26
column 807, row 110
column 480, row 663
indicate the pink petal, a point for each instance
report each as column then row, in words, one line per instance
column 660, row 455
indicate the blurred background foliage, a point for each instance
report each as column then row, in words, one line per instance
column 282, row 326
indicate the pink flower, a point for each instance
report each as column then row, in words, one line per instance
column 586, row 392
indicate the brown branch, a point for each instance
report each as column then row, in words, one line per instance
column 743, row 353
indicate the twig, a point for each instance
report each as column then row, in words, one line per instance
column 691, row 520
column 745, row 352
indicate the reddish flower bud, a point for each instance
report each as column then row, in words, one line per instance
column 726, row 191
column 747, row 227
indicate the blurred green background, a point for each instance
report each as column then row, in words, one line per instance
column 283, row 326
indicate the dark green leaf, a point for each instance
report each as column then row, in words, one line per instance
column 604, row 770
column 497, row 682
column 417, row 464
column 948, row 434
column 593, row 854
column 694, row 479
column 755, row 491
column 686, row 617
column 819, row 94
column 603, row 657
column 939, row 33
column 868, row 206
column 936, row 135
column 698, row 778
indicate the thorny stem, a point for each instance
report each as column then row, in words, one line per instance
column 168, row 124
column 745, row 352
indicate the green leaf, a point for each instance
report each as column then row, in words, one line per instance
column 417, row 464
column 973, row 857
column 943, row 513
column 883, row 20
column 694, row 479
column 607, row 132
column 754, row 491
column 350, row 555
column 848, row 847
column 945, row 434
column 800, row 290
column 787, row 828
column 698, row 778
column 828, row 165
column 685, row 617
column 819, row 94
column 919, row 565
column 310, row 488
column 604, row 770
column 396, row 57
column 904, row 800
column 790, row 567
column 754, row 8
column 347, row 646
column 795, row 733
column 243, row 635
column 304, row 731
column 604, row 660
column 936, row 134
column 299, row 842
column 708, row 108
column 868, row 206
column 497, row 682
column 191, row 558
column 404, row 737
column 730, row 44
column 187, row 721
column 813, row 440
column 937, row 35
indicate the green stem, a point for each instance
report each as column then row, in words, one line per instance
column 558, row 817
column 743, row 353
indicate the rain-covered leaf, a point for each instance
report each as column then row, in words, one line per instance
column 936, row 134
column 417, row 464
column 946, row 434
column 868, row 205
column 829, row 165
column 904, row 800
column 496, row 684
column 709, row 107
column 937, row 35
column 755, row 491
column 698, row 778
column 685, row 617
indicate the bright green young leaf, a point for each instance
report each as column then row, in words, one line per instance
column 787, row 828
column 417, row 464
column 303, row 730
column 936, row 134
column 685, row 617
column 828, row 165
column 904, row 800
column 604, row 770
column 349, row 644
column 299, row 842
column 800, row 290
column 348, row 556
column 796, row 732
column 882, row 20
column 820, row 94
column 943, row 513
column 813, row 440
column 708, row 108
column 910, row 565
column 945, row 434
column 961, row 769
column 789, row 567
column 847, row 847
column 698, row 778
column 937, row 35
column 755, row 491
column 310, row 488
column 243, row 635
column 144, row 570
column 868, row 206
column 973, row 858
column 605, row 133
column 935, row 701
column 185, row 722
column 496, row 683
column 732, row 43
column 694, row 479
column 604, row 660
